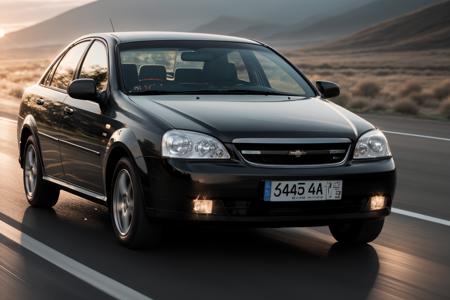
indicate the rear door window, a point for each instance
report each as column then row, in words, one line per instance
column 48, row 77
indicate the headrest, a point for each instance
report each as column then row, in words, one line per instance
column 188, row 75
column 130, row 76
column 220, row 72
column 152, row 72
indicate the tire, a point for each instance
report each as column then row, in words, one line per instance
column 39, row 193
column 357, row 232
column 132, row 226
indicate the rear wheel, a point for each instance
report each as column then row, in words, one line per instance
column 39, row 192
column 131, row 225
column 357, row 231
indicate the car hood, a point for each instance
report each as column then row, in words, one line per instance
column 229, row 117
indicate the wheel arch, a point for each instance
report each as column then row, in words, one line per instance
column 27, row 129
column 123, row 143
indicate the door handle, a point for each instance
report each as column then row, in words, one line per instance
column 40, row 101
column 68, row 110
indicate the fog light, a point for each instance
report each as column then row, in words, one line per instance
column 377, row 202
column 201, row 206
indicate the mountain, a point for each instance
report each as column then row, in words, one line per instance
column 350, row 21
column 179, row 15
column 259, row 31
column 425, row 29
column 249, row 28
column 225, row 25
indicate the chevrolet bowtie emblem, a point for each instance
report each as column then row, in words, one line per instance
column 297, row 153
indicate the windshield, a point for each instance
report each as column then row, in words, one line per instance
column 200, row 67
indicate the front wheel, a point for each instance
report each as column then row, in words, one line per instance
column 131, row 225
column 357, row 231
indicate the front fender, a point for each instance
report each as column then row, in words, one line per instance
column 127, row 141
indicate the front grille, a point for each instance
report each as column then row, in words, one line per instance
column 295, row 153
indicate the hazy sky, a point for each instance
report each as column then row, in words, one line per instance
column 15, row 14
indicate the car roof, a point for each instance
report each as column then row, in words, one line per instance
column 143, row 36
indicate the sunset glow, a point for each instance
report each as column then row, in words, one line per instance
column 2, row 33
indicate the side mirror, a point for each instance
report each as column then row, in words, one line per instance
column 83, row 89
column 328, row 89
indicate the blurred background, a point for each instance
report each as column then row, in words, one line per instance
column 389, row 56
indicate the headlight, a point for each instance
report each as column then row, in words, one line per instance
column 192, row 145
column 372, row 144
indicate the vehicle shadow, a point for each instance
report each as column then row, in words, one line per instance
column 274, row 263
column 197, row 262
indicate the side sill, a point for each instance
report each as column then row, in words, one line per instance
column 77, row 190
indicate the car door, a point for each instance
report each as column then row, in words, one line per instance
column 47, row 105
column 85, row 125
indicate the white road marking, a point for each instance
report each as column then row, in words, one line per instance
column 8, row 120
column 418, row 135
column 11, row 273
column 103, row 283
column 420, row 216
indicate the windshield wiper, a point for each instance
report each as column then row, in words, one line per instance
column 165, row 92
column 254, row 92
column 216, row 92
column 152, row 92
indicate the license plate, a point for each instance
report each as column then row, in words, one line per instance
column 312, row 190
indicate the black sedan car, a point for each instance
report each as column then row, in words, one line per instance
column 165, row 127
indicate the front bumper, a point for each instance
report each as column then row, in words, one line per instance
column 237, row 191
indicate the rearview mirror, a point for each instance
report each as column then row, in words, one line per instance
column 83, row 89
column 328, row 89
column 196, row 56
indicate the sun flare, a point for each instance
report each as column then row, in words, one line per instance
column 2, row 33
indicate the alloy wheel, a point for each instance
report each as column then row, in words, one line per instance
column 123, row 202
column 30, row 171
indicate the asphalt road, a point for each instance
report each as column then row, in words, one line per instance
column 410, row 260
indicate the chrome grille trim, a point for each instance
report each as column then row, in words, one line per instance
column 288, row 152
column 290, row 141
